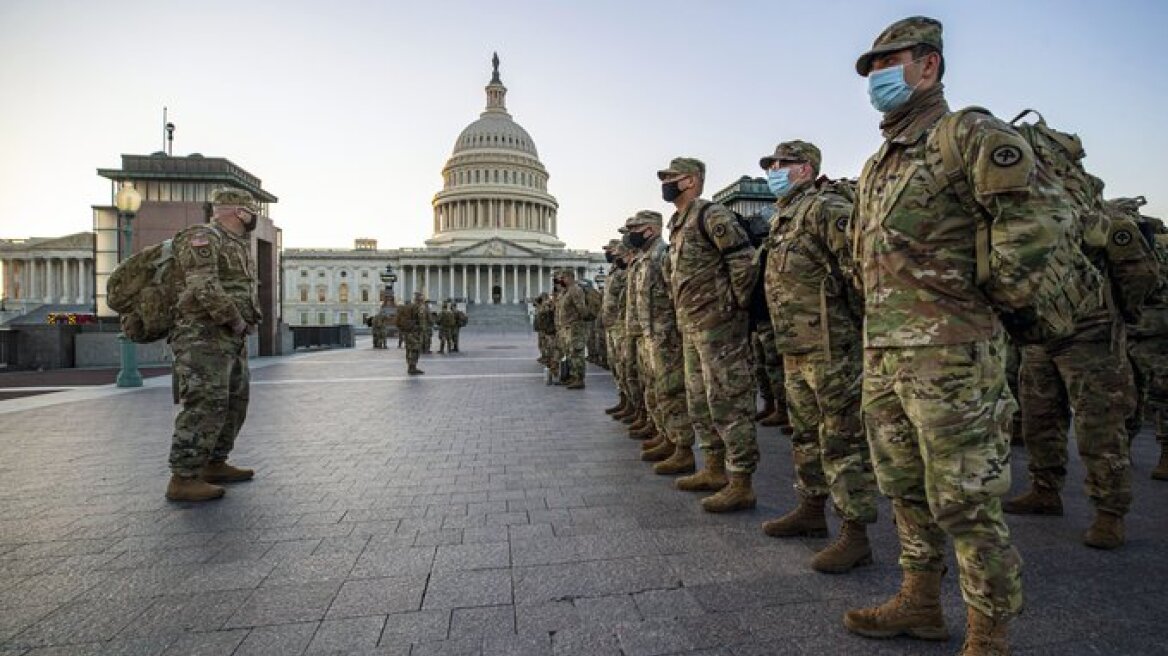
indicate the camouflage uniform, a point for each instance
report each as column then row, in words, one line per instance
column 447, row 324
column 570, row 312
column 410, row 319
column 768, row 363
column 652, row 319
column 816, row 326
column 935, row 399
column 545, row 324
column 378, row 325
column 460, row 321
column 1088, row 375
column 610, row 311
column 217, row 289
column 1148, row 342
column 428, row 321
column 712, row 274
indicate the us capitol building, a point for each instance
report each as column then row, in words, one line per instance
column 494, row 235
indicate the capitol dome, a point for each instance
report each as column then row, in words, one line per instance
column 494, row 185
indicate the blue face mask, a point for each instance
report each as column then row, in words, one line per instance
column 887, row 89
column 779, row 181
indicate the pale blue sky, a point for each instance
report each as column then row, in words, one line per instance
column 348, row 110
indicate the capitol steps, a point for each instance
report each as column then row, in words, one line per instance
column 506, row 317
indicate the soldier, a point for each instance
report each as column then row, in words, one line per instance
column 712, row 274
column 614, row 301
column 660, row 354
column 935, row 400
column 410, row 319
column 460, row 321
column 543, row 323
column 447, row 323
column 646, row 426
column 1088, row 375
column 570, row 312
column 816, row 320
column 429, row 320
column 216, row 311
column 378, row 324
column 1148, row 343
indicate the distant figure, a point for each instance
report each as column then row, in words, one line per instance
column 409, row 326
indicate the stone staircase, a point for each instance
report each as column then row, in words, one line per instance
column 502, row 317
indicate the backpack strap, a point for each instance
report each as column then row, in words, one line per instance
column 954, row 166
column 705, row 230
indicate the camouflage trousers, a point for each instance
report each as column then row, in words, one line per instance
column 615, row 363
column 413, row 340
column 427, row 339
column 661, row 355
column 938, row 420
column 1092, row 381
column 454, row 335
column 572, row 346
column 829, row 447
column 768, row 363
column 719, row 391
column 445, row 338
column 1149, row 361
column 211, row 376
column 546, row 347
column 379, row 338
column 634, row 377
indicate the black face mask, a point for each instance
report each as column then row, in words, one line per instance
column 608, row 258
column 637, row 240
column 670, row 191
column 620, row 264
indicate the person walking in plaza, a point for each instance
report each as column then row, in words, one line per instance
column 816, row 318
column 571, row 311
column 216, row 310
column 712, row 274
column 410, row 322
column 935, row 400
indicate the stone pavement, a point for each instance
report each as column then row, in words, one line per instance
column 473, row 510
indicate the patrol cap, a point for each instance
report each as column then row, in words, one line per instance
column 901, row 35
column 683, row 166
column 793, row 151
column 644, row 218
column 612, row 243
column 234, row 196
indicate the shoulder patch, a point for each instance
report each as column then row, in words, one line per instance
column 200, row 240
column 1007, row 155
column 841, row 224
column 1122, row 237
column 720, row 230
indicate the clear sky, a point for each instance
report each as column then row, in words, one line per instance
column 348, row 110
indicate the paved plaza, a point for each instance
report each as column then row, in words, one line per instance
column 473, row 510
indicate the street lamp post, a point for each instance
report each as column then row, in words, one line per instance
column 127, row 200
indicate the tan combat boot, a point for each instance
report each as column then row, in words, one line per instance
column 738, row 495
column 1106, row 532
column 618, row 407
column 657, row 441
column 644, row 432
column 640, row 423
column 767, row 410
column 1037, row 501
column 914, row 611
column 807, row 520
column 984, row 636
column 850, row 550
column 221, row 472
column 777, row 418
column 712, row 477
column 658, row 453
column 629, row 415
column 681, row 461
column 1160, row 473
column 183, row 488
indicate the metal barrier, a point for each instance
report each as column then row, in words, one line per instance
column 322, row 336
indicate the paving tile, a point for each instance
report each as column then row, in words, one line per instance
column 460, row 589
column 277, row 640
column 378, row 596
column 284, row 605
column 420, row 626
column 472, row 556
column 482, row 621
column 219, row 643
column 343, row 635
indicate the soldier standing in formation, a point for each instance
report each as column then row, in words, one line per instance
column 712, row 275
column 614, row 289
column 429, row 319
column 447, row 324
column 460, row 321
column 815, row 314
column 216, row 311
column 1148, row 341
column 570, row 312
column 379, row 324
column 410, row 321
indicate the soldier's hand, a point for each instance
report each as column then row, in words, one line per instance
column 239, row 327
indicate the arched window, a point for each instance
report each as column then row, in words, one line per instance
column 303, row 294
column 343, row 291
column 364, row 295
column 321, row 294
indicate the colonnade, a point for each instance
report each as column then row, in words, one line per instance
column 48, row 279
column 516, row 282
column 486, row 213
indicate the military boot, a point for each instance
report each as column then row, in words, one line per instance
column 414, row 371
column 712, row 477
column 1160, row 473
column 850, row 550
column 984, row 636
column 221, row 472
column 658, row 453
column 1037, row 501
column 653, row 443
column 777, row 418
column 640, row 424
column 681, row 461
column 738, row 495
column 807, row 520
column 183, row 488
column 576, row 384
column 914, row 611
column 618, row 407
column 1106, row 532
column 627, row 415
column 643, row 433
column 766, row 410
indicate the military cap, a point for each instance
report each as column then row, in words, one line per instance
column 901, row 35
column 233, row 196
column 683, row 166
column 793, row 151
column 644, row 218
column 612, row 243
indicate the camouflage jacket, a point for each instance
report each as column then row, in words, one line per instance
column 1130, row 268
column 1154, row 320
column 612, row 311
column 217, row 284
column 712, row 278
column 809, row 295
column 570, row 307
column 545, row 316
column 650, row 304
column 913, row 241
column 447, row 319
column 410, row 317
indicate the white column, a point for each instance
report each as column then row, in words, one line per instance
column 490, row 283
column 80, row 280
column 527, row 287
column 476, row 285
column 413, row 281
column 33, row 292
column 441, row 292
column 514, row 282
